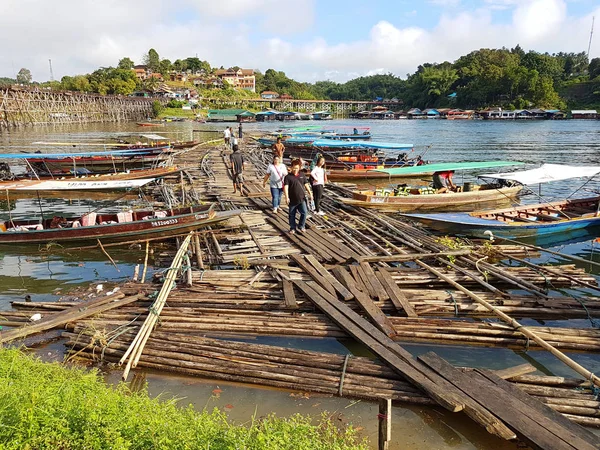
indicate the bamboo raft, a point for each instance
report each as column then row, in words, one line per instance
column 354, row 274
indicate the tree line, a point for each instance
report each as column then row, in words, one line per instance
column 511, row 78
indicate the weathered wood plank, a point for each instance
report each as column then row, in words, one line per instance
column 515, row 371
column 288, row 291
column 359, row 276
column 573, row 433
column 319, row 278
column 396, row 295
column 436, row 388
column 345, row 278
column 524, row 420
column 380, row 292
column 78, row 312
column 345, row 293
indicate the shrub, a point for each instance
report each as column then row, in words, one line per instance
column 49, row 406
column 156, row 108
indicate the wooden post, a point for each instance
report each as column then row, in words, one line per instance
column 385, row 423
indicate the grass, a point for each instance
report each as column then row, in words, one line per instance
column 178, row 112
column 50, row 406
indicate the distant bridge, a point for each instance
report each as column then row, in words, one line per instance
column 336, row 107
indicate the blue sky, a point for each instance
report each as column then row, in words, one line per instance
column 308, row 39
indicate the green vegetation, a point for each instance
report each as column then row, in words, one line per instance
column 48, row 406
column 157, row 108
column 178, row 112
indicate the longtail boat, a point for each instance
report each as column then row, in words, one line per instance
column 98, row 162
column 72, row 184
column 150, row 124
column 121, row 227
column 424, row 199
column 520, row 222
column 528, row 220
column 158, row 172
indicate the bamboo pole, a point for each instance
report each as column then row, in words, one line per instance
column 517, row 326
column 137, row 346
column 107, row 255
column 145, row 262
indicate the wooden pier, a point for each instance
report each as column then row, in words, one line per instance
column 353, row 274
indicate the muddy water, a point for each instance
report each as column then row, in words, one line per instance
column 45, row 274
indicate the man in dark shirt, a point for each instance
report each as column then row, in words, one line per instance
column 295, row 188
column 237, row 169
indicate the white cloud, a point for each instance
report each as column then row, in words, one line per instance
column 81, row 35
column 445, row 3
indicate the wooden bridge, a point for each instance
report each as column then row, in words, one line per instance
column 34, row 106
column 336, row 107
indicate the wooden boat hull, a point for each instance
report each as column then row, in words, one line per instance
column 195, row 218
column 368, row 175
column 462, row 201
column 97, row 164
column 74, row 184
column 475, row 226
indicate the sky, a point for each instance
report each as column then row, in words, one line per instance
column 310, row 40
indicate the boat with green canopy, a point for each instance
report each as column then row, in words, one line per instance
column 467, row 198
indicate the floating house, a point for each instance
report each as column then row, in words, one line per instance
column 384, row 114
column 322, row 115
column 266, row 116
column 361, row 115
column 230, row 115
column 415, row 113
column 432, row 113
column 555, row 114
column 285, row 116
column 584, row 114
column 460, row 114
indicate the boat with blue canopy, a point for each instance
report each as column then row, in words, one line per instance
column 524, row 221
column 406, row 199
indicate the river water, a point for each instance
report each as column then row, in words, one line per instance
column 45, row 275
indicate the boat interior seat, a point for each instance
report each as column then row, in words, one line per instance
column 124, row 217
column 549, row 217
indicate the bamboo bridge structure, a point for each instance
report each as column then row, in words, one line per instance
column 20, row 106
column 338, row 108
column 353, row 274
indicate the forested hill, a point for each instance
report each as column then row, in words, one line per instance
column 486, row 77
column 513, row 79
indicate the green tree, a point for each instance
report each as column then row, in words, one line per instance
column 157, row 108
column 152, row 60
column 179, row 65
column 594, row 68
column 438, row 80
column 24, row 76
column 150, row 84
column 125, row 63
column 196, row 64
column 165, row 67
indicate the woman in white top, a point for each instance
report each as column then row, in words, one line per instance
column 276, row 172
column 319, row 178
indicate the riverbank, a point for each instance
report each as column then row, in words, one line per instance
column 49, row 406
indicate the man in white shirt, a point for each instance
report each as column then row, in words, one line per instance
column 227, row 136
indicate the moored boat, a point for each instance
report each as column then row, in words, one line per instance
column 426, row 199
column 518, row 222
column 121, row 227
column 527, row 220
column 72, row 184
